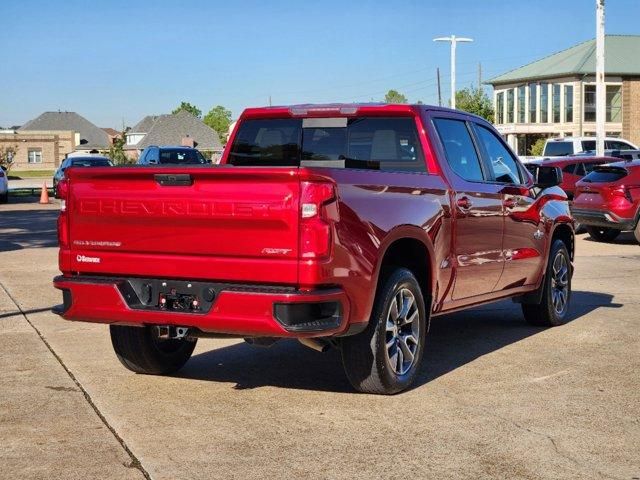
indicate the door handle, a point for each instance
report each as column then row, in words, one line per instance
column 464, row 203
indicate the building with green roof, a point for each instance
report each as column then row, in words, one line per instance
column 555, row 96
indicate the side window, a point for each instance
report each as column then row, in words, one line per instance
column 459, row 149
column 504, row 166
column 569, row 168
column 580, row 170
column 616, row 145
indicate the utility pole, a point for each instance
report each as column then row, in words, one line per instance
column 601, row 94
column 439, row 93
column 453, row 40
column 269, row 100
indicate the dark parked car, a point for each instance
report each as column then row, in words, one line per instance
column 79, row 161
column 172, row 156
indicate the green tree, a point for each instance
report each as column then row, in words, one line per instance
column 219, row 118
column 187, row 107
column 116, row 151
column 476, row 101
column 537, row 148
column 393, row 96
column 7, row 155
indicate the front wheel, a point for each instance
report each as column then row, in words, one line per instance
column 385, row 358
column 636, row 232
column 603, row 234
column 556, row 290
column 141, row 350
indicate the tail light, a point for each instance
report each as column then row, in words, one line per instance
column 62, row 192
column 318, row 209
column 622, row 192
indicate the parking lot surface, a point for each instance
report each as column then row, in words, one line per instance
column 496, row 398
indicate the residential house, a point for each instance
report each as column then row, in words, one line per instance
column 556, row 95
column 180, row 128
column 44, row 142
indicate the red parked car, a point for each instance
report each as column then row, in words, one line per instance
column 339, row 225
column 608, row 200
column 573, row 169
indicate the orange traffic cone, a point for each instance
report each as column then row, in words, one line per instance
column 44, row 195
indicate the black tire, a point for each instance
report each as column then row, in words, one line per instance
column 602, row 234
column 4, row 198
column 636, row 232
column 141, row 351
column 546, row 313
column 366, row 357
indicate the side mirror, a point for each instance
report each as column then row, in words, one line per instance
column 546, row 177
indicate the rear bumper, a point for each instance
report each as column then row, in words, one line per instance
column 602, row 218
column 242, row 310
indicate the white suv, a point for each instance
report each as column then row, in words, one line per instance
column 568, row 146
column 4, row 186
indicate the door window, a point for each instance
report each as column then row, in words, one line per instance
column 504, row 166
column 569, row 168
column 459, row 149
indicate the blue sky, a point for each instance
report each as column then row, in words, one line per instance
column 120, row 59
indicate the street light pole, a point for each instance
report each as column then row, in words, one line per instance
column 453, row 40
column 601, row 95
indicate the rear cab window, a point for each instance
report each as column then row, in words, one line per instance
column 372, row 143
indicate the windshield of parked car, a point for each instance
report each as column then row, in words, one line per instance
column 181, row 156
column 376, row 143
column 605, row 175
column 558, row 149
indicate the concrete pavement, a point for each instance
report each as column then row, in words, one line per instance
column 495, row 398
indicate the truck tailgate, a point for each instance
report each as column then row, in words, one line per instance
column 216, row 223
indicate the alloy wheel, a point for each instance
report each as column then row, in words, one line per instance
column 402, row 331
column 560, row 283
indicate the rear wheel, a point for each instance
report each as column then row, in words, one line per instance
column 141, row 350
column 636, row 232
column 385, row 358
column 603, row 234
column 4, row 198
column 556, row 290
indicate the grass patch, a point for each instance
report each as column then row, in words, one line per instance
column 17, row 175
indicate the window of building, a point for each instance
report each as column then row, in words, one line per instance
column 589, row 103
column 533, row 100
column 500, row 108
column 510, row 106
column 614, row 103
column 568, row 103
column 556, row 103
column 35, row 155
column 522, row 104
column 544, row 102
column 459, row 149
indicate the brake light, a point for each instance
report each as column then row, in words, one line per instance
column 320, row 110
column 318, row 209
column 622, row 192
column 62, row 192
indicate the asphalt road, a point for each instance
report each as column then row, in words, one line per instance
column 496, row 398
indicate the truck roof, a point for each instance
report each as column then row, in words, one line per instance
column 343, row 109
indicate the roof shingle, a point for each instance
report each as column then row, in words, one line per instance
column 621, row 58
column 90, row 136
column 171, row 129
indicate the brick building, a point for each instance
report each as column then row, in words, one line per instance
column 44, row 142
column 555, row 96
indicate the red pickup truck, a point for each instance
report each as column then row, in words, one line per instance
column 340, row 225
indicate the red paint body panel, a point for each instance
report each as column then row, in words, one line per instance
column 244, row 225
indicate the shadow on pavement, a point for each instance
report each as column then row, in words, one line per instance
column 454, row 340
column 625, row 238
column 27, row 229
column 17, row 313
